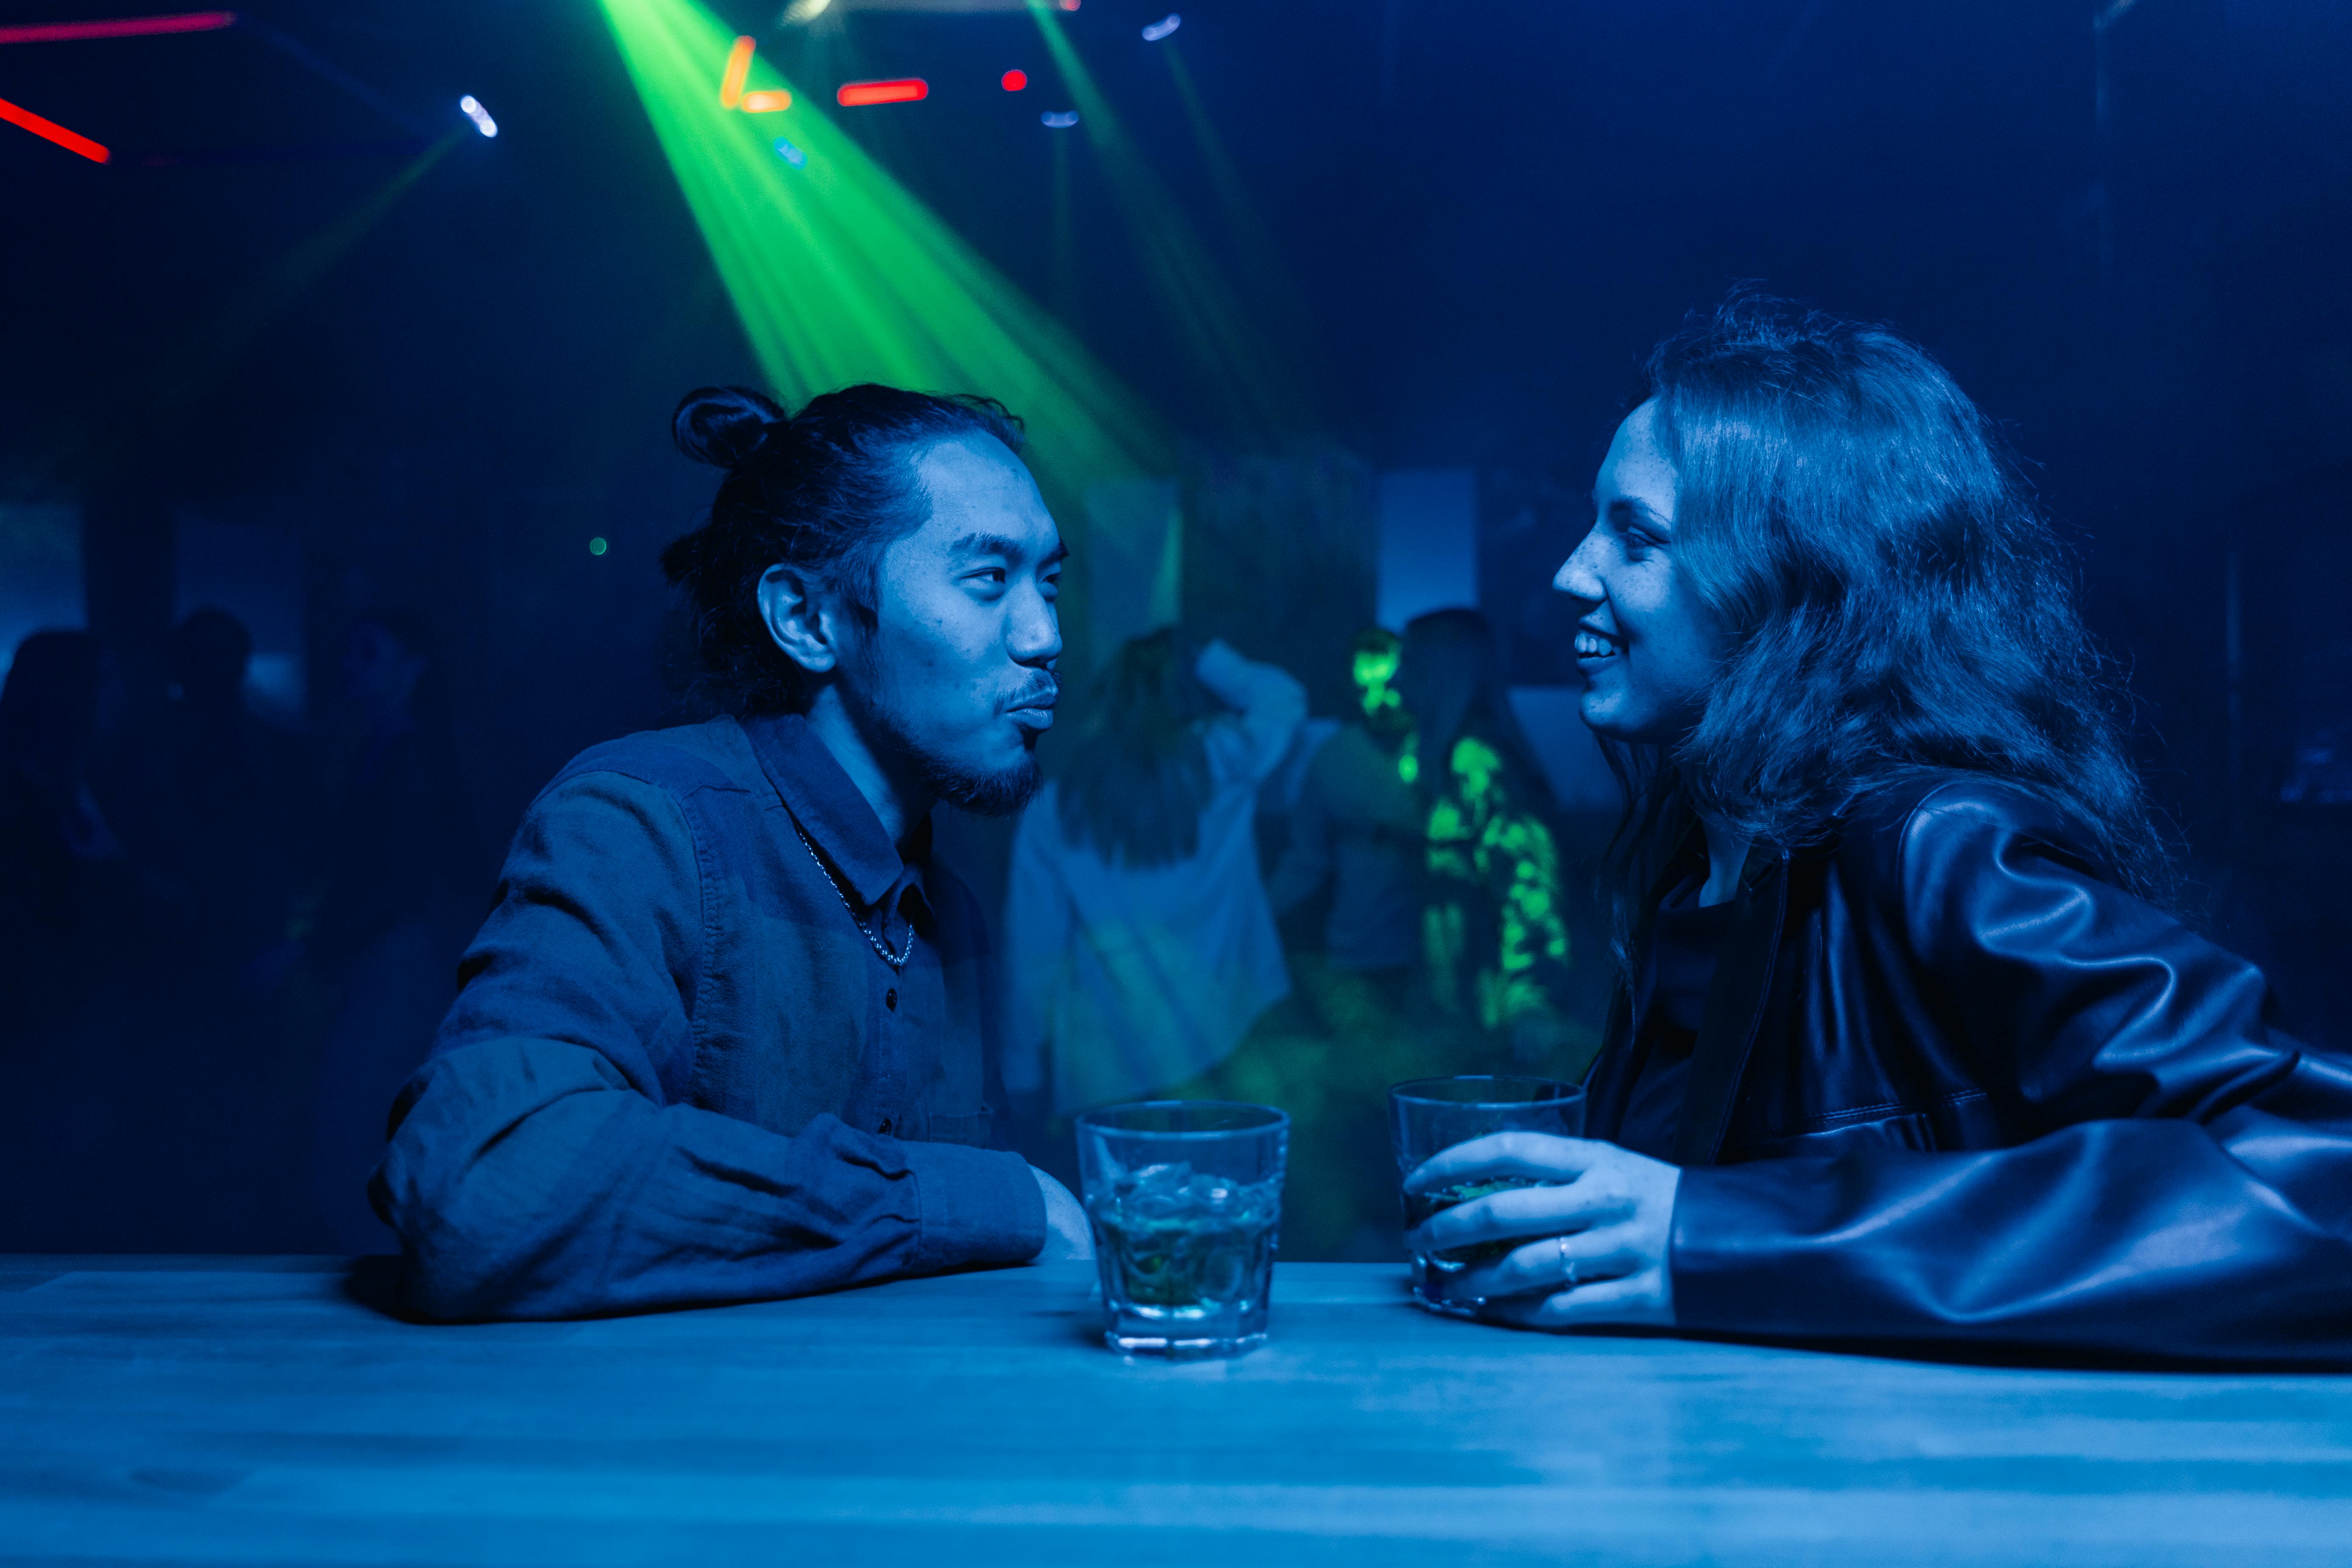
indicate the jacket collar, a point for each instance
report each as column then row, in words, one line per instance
column 834, row 818
column 1733, row 1010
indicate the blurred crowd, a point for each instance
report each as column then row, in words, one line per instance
column 224, row 944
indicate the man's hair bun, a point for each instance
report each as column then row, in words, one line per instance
column 824, row 491
column 723, row 425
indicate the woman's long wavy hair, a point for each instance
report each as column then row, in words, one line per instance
column 1894, row 604
column 1137, row 781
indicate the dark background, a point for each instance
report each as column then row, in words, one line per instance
column 1483, row 216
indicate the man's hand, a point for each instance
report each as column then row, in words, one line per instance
column 1595, row 1240
column 1069, row 1237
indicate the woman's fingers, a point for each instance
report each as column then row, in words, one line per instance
column 1547, row 1264
column 1532, row 1156
column 1521, row 1211
column 1632, row 1299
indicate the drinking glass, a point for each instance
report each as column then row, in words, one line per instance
column 1432, row 1114
column 1184, row 1196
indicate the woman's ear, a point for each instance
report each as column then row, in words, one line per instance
column 799, row 614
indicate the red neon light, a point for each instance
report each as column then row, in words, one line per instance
column 766, row 102
column 51, row 131
column 739, row 66
column 1016, row 80
column 121, row 27
column 907, row 89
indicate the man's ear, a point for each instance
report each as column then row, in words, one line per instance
column 801, row 615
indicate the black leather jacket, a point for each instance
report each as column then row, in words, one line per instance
column 1952, row 1086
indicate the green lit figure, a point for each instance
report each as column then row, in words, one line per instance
column 1495, row 945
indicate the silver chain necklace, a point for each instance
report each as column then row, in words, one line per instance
column 897, row 960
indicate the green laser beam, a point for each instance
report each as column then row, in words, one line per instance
column 1279, row 298
column 1212, row 327
column 838, row 273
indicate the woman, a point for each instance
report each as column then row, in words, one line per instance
column 1494, row 943
column 1906, row 1048
column 1140, row 945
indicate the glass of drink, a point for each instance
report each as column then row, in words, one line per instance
column 1185, row 1196
column 1432, row 1114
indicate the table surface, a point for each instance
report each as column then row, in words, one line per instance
column 257, row 1410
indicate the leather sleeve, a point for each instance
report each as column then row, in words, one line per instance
column 2191, row 1197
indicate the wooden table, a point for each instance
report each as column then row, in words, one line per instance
column 256, row 1410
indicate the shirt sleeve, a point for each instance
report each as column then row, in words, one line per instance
column 1272, row 704
column 2191, row 1197
column 538, row 1168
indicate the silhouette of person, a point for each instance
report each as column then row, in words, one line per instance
column 407, row 883
column 1494, row 937
column 1142, row 947
column 72, row 913
column 235, row 807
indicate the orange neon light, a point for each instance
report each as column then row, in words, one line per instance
column 49, row 130
column 739, row 66
column 907, row 90
column 766, row 102
column 120, row 27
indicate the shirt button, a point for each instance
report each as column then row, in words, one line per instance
column 890, row 999
column 885, row 1127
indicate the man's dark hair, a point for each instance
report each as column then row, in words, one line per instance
column 1896, row 605
column 826, row 489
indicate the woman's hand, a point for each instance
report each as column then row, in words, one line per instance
column 1593, row 1245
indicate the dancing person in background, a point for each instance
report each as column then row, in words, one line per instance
column 234, row 799
column 1495, row 942
column 66, row 886
column 1357, row 830
column 1358, row 837
column 75, row 914
column 727, row 1033
column 228, row 819
column 1140, row 946
column 1906, row 1047
column 406, row 883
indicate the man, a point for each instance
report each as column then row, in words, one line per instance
column 725, row 1035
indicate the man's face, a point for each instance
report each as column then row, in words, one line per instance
column 958, row 673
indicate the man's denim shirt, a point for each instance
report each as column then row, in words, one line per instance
column 677, row 1069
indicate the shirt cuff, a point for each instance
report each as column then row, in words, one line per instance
column 977, row 1205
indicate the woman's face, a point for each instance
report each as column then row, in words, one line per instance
column 1646, row 646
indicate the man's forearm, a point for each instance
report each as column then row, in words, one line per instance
column 528, row 1180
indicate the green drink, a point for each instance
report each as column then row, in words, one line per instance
column 1432, row 1115
column 1419, row 1207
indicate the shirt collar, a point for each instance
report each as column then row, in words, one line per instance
column 837, row 821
